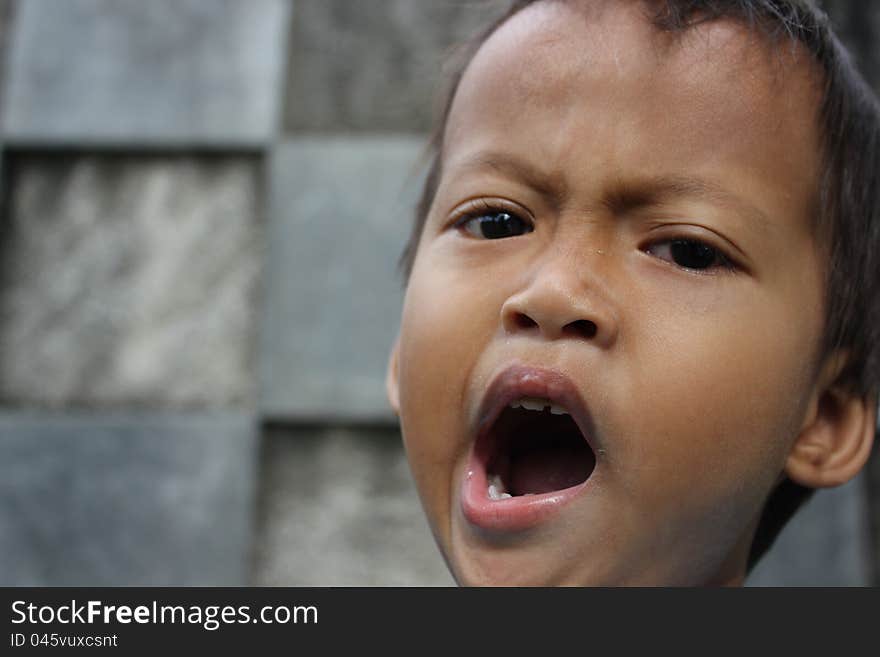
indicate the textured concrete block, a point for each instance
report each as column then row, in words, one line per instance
column 130, row 280
column 158, row 72
column 338, row 508
column 374, row 65
column 126, row 500
column 340, row 213
column 825, row 544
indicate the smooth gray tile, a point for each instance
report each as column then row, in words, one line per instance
column 7, row 16
column 825, row 544
column 374, row 65
column 337, row 508
column 126, row 500
column 130, row 281
column 157, row 72
column 340, row 213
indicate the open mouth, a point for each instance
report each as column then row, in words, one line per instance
column 533, row 453
column 534, row 447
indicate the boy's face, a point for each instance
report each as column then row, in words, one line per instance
column 622, row 228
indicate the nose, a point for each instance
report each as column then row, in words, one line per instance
column 563, row 299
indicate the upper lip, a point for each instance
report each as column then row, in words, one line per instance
column 521, row 380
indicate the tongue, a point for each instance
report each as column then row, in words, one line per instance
column 548, row 468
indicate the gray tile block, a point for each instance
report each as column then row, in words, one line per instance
column 340, row 212
column 825, row 544
column 130, row 280
column 374, row 65
column 126, row 500
column 158, row 72
column 7, row 16
column 338, row 507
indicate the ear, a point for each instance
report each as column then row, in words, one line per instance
column 838, row 432
column 392, row 388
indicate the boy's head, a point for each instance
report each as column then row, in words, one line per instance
column 656, row 218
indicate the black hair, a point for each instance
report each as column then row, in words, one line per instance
column 847, row 204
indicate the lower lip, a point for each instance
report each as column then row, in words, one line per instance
column 512, row 514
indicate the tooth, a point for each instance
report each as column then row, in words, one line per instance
column 558, row 410
column 496, row 488
column 516, row 404
column 533, row 404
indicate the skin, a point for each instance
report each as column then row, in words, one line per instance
column 705, row 386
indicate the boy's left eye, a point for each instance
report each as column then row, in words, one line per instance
column 495, row 224
column 690, row 254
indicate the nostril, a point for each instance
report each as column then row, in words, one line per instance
column 582, row 328
column 523, row 321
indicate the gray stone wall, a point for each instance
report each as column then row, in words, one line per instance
column 338, row 508
column 203, row 206
column 859, row 26
column 158, row 72
column 93, row 246
column 119, row 499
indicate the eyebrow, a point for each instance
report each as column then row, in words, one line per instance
column 629, row 196
column 625, row 195
column 551, row 186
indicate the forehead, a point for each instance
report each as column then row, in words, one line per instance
column 564, row 79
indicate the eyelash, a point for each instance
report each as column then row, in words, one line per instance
column 717, row 259
column 483, row 209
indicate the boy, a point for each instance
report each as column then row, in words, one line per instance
column 639, row 315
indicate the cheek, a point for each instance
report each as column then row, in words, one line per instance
column 722, row 387
column 451, row 312
column 445, row 326
column 711, row 397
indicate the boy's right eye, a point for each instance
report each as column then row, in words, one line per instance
column 494, row 225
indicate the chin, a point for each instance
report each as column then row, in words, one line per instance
column 502, row 574
column 507, row 566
